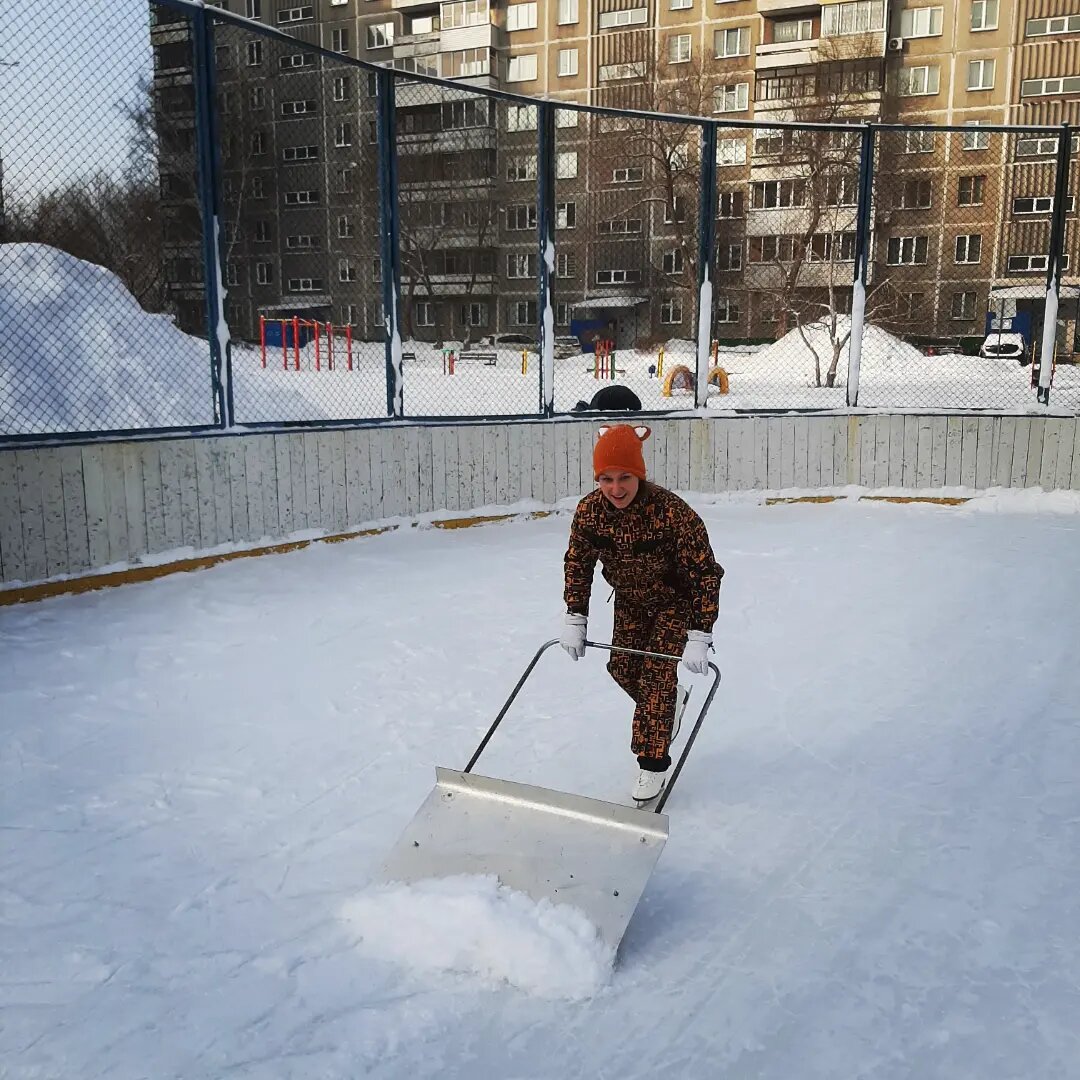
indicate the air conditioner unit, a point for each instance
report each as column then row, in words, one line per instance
column 896, row 44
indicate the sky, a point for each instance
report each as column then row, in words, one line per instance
column 59, row 109
column 872, row 866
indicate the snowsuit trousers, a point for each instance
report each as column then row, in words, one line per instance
column 651, row 683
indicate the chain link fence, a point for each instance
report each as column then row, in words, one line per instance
column 255, row 227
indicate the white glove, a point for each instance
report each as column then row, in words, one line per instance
column 695, row 656
column 572, row 639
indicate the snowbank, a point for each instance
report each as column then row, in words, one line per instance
column 80, row 354
column 477, row 926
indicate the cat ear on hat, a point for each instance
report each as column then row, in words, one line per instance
column 602, row 431
column 642, row 432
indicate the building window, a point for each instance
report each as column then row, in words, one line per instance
column 671, row 312
column 520, row 117
column 566, row 164
column 257, row 97
column 787, row 31
column 730, row 205
column 465, row 13
column 264, row 273
column 568, row 12
column 918, row 142
column 618, row 277
column 262, row 231
column 380, row 35
column 730, row 152
column 920, row 81
column 1042, row 146
column 921, row 22
column 294, row 15
column 735, row 97
column 341, row 87
column 343, row 134
column 298, row 108
column 627, row 17
column 565, row 215
column 984, row 14
column 521, row 265
column 300, row 153
column 232, row 274
column 258, row 187
column 963, row 306
column 907, row 250
column 729, row 258
column 675, row 210
column 254, row 53
column 522, row 313
column 632, row 174
column 860, row 17
column 344, row 181
column 680, row 5
column 968, row 248
column 339, row 39
column 1043, row 204
column 522, row 68
column 305, row 284
column 564, row 265
column 914, row 195
column 293, row 61
column 727, row 310
column 734, row 42
column 562, row 314
column 301, row 198
column 346, row 270
column 466, row 63
column 344, row 226
column 772, row 194
column 424, row 312
column 566, row 118
column 301, row 242
column 1062, row 24
column 521, row 167
column 1068, row 84
column 253, row 9
column 521, row 16
column 520, row 218
column 625, row 226
column 981, row 74
column 568, row 65
column 969, row 190
column 258, row 143
column 611, row 72
column 678, row 49
column 976, row 140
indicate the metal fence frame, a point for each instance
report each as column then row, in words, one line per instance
column 203, row 23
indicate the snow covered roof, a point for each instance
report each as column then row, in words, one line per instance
column 610, row 302
column 1031, row 292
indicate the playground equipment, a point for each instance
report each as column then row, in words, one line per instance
column 719, row 377
column 449, row 359
column 680, row 377
column 660, row 363
column 604, row 359
column 295, row 333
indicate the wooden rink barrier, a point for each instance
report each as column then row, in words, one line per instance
column 81, row 509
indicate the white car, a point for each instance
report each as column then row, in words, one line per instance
column 1004, row 346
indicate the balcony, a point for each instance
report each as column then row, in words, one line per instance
column 772, row 8
column 787, row 54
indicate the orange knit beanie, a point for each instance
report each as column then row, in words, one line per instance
column 619, row 447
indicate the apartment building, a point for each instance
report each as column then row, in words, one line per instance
column 960, row 221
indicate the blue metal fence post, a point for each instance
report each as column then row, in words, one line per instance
column 390, row 238
column 208, row 179
column 545, row 227
column 706, row 262
column 862, row 263
column 1054, row 265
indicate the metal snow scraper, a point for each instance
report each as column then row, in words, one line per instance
column 597, row 856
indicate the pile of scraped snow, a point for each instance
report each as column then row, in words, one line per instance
column 80, row 354
column 474, row 925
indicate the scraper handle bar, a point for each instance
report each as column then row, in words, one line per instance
column 610, row 648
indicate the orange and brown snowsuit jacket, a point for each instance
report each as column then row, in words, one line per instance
column 656, row 553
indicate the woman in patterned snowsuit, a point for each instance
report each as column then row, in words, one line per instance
column 654, row 551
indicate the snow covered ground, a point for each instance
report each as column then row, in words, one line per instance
column 81, row 355
column 873, row 866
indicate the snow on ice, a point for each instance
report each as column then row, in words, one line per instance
column 873, row 866
column 474, row 924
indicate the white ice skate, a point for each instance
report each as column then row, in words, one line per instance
column 648, row 786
